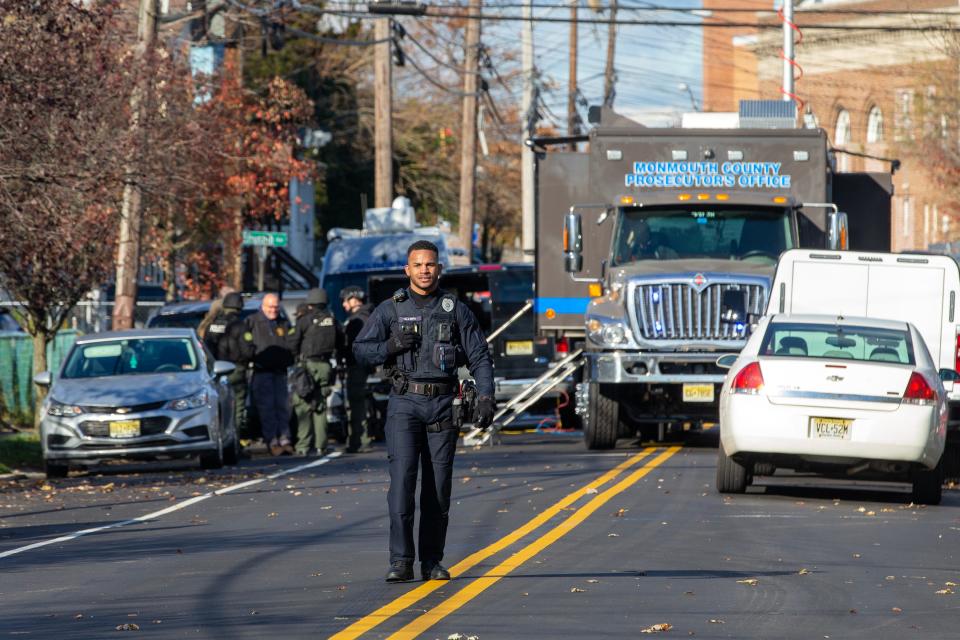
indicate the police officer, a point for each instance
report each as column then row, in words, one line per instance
column 352, row 299
column 266, row 336
column 224, row 338
column 314, row 340
column 424, row 334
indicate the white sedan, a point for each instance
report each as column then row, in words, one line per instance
column 850, row 397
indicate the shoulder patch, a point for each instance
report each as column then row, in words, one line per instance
column 248, row 336
column 293, row 330
column 447, row 304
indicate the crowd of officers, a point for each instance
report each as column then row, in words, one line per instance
column 265, row 346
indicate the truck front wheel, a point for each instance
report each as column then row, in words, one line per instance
column 603, row 420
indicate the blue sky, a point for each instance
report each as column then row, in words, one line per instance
column 651, row 61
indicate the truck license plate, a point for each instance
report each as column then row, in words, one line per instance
column 519, row 347
column 836, row 428
column 125, row 429
column 698, row 392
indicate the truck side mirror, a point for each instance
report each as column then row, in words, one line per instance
column 733, row 307
column 838, row 236
column 572, row 243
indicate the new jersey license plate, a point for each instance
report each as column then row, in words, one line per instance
column 830, row 428
column 125, row 429
column 519, row 347
column 698, row 392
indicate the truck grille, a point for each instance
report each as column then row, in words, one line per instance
column 671, row 311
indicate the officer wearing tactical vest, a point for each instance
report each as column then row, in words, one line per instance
column 352, row 300
column 423, row 335
column 224, row 338
column 314, row 340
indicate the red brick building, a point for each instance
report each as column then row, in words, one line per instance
column 863, row 86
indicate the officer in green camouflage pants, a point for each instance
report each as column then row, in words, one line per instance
column 315, row 340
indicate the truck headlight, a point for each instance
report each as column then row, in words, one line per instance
column 606, row 332
column 195, row 401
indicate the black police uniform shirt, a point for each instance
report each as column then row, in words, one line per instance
column 316, row 334
column 352, row 327
column 268, row 339
column 224, row 337
column 370, row 347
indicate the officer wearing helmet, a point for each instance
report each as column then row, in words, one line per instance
column 423, row 335
column 224, row 338
column 353, row 300
column 315, row 340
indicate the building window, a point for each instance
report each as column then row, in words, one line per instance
column 903, row 115
column 905, row 217
column 841, row 138
column 874, row 125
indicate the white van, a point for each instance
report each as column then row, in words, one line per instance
column 920, row 289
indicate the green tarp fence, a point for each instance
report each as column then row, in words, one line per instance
column 16, row 369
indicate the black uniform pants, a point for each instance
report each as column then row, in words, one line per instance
column 411, row 447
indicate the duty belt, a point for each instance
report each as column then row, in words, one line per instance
column 431, row 389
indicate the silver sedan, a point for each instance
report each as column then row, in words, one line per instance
column 148, row 394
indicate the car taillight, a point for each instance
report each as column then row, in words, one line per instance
column 563, row 346
column 749, row 380
column 956, row 355
column 919, row 390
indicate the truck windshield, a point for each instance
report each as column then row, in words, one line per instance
column 712, row 232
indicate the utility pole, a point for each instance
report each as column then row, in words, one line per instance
column 383, row 115
column 468, row 153
column 528, row 238
column 788, row 93
column 609, row 71
column 131, row 209
column 572, row 127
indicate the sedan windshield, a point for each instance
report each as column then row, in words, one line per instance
column 131, row 357
column 801, row 340
column 712, row 232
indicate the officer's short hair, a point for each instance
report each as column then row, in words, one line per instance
column 422, row 245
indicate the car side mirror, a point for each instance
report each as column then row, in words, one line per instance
column 949, row 375
column 838, row 233
column 572, row 243
column 223, row 368
column 733, row 307
column 43, row 379
column 726, row 361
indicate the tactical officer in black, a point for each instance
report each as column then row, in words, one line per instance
column 314, row 340
column 358, row 394
column 224, row 338
column 424, row 334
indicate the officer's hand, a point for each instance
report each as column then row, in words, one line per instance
column 485, row 409
column 401, row 342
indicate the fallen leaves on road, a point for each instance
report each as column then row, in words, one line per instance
column 871, row 513
column 576, row 590
column 593, row 581
column 715, row 621
column 536, row 489
column 803, row 572
column 658, row 628
column 591, row 491
column 896, row 610
column 857, row 555
column 465, row 479
column 613, row 535
column 949, row 584
column 326, row 507
column 128, row 626
column 619, row 513
column 274, row 514
column 750, row 581
column 945, row 592
column 890, row 578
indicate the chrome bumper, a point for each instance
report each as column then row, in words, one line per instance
column 618, row 367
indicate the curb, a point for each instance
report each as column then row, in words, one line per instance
column 22, row 475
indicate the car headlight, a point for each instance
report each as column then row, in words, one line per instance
column 606, row 332
column 195, row 401
column 63, row 410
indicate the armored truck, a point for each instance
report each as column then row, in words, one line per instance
column 656, row 248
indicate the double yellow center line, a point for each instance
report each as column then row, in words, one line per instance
column 474, row 588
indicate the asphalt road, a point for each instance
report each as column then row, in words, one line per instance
column 546, row 541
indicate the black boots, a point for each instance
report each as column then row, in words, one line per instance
column 400, row 572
